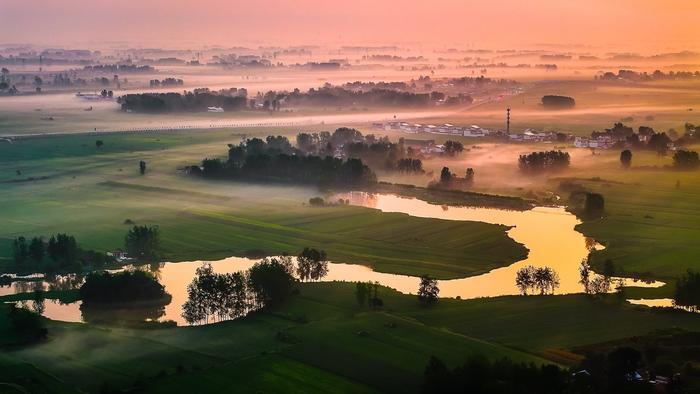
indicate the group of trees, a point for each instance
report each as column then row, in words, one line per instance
column 214, row 296
column 155, row 83
column 537, row 162
column 143, row 243
column 596, row 284
column 60, row 253
column 428, row 290
column 367, row 293
column 686, row 160
column 594, row 204
column 449, row 180
column 688, row 290
column 622, row 369
column 542, row 279
column 274, row 160
column 27, row 326
column 312, row 264
column 185, row 102
column 126, row 286
column 558, row 102
column 657, row 75
column 479, row 375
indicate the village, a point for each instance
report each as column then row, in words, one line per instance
column 618, row 136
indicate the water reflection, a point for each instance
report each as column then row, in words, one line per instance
column 662, row 303
column 548, row 233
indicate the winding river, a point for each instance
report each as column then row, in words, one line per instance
column 548, row 232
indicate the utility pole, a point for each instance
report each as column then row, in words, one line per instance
column 508, row 120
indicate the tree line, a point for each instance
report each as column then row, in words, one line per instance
column 61, row 252
column 177, row 102
column 275, row 160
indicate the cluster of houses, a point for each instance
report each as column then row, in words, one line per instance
column 446, row 129
column 599, row 142
column 532, row 135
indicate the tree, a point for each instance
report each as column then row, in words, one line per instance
column 37, row 250
column 688, row 289
column 546, row 280
column 362, row 291
column 558, row 102
column 142, row 167
column 99, row 144
column 63, row 249
column 524, row 279
column 312, row 264
column 659, row 142
column 626, row 158
column 686, row 160
column 143, row 243
column 445, row 175
column 428, row 290
column 594, row 204
column 585, row 273
column 453, row 148
column 469, row 177
column 270, row 282
column 20, row 250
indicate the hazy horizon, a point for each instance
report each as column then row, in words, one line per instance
column 643, row 26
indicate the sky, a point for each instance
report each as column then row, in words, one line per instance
column 636, row 24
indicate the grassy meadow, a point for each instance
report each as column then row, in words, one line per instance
column 322, row 340
column 69, row 185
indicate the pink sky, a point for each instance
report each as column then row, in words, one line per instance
column 636, row 24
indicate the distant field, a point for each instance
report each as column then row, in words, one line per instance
column 90, row 192
column 598, row 106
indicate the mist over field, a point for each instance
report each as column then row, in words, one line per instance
column 353, row 197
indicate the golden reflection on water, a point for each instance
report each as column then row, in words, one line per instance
column 548, row 233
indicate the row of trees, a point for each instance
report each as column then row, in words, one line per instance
column 60, row 253
column 176, row 102
column 216, row 297
column 618, row 370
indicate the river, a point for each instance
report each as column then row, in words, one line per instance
column 547, row 232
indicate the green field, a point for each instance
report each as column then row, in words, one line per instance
column 322, row 340
column 90, row 192
column 311, row 342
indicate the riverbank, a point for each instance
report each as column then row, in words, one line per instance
column 455, row 197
